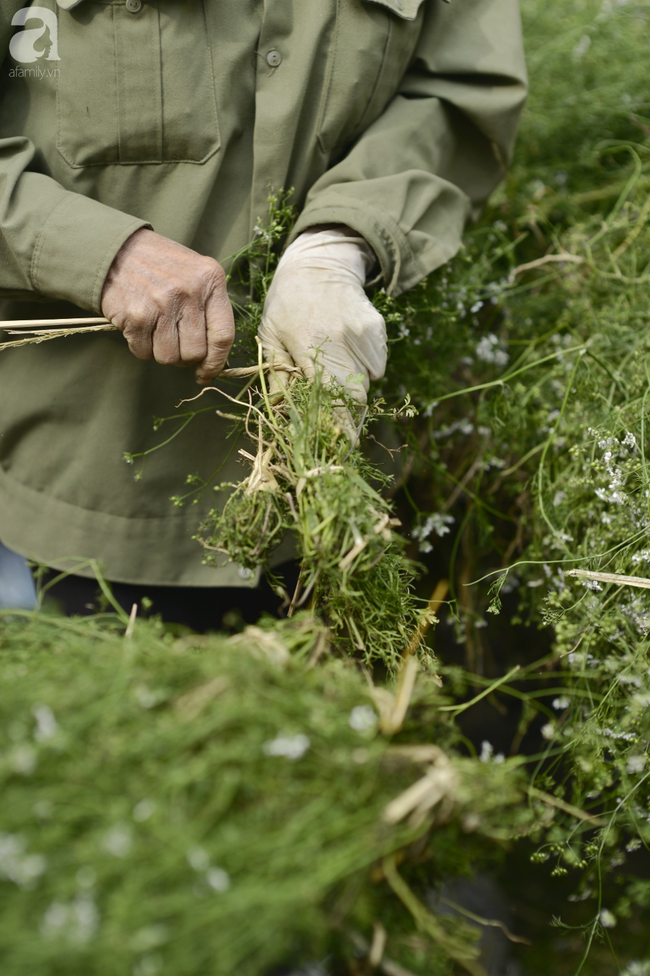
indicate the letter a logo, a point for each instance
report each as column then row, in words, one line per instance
column 22, row 46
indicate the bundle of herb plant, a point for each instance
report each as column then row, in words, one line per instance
column 308, row 479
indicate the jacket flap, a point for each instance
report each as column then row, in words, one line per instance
column 407, row 9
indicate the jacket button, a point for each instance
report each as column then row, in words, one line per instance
column 274, row 58
column 134, row 6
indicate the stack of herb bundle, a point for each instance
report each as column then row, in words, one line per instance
column 209, row 805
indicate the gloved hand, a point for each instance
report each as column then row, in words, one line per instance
column 317, row 314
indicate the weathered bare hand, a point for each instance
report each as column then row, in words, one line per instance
column 170, row 303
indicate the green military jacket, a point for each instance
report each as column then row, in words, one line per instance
column 395, row 117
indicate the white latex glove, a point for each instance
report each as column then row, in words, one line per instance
column 317, row 314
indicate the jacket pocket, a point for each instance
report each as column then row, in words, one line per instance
column 373, row 44
column 135, row 87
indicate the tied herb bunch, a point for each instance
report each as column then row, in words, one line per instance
column 308, row 479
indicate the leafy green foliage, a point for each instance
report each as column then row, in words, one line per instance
column 530, row 448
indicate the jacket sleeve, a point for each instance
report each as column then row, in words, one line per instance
column 53, row 243
column 440, row 147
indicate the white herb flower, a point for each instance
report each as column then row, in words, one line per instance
column 581, row 48
column 561, row 703
column 85, row 918
column 636, row 763
column 637, row 968
column 487, row 754
column 641, row 557
column 118, row 841
column 610, row 734
column 486, row 751
column 629, row 441
column 198, row 859
column 363, row 719
column 46, row 724
column 489, row 352
column 218, row 879
column 143, row 810
column 592, row 584
column 17, row 865
column 147, row 697
column 77, row 920
column 290, row 746
column 463, row 426
column 607, row 919
column 438, row 523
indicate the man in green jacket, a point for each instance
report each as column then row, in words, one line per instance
column 139, row 142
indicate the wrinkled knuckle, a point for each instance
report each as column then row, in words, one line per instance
column 139, row 316
column 217, row 270
column 212, row 272
column 193, row 327
column 222, row 337
column 219, row 346
column 174, row 294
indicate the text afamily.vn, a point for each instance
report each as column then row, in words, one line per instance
column 39, row 73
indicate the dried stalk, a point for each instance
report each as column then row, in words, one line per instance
column 641, row 581
column 48, row 323
column 43, row 335
column 37, row 335
column 547, row 259
column 428, row 617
